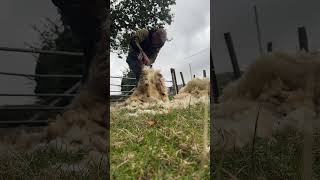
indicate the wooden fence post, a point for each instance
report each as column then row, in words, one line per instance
column 269, row 46
column 232, row 54
column 303, row 39
column 204, row 74
column 258, row 29
column 174, row 81
column 183, row 83
column 214, row 82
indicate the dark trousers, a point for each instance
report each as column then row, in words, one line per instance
column 135, row 67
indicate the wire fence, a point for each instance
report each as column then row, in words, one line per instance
column 51, row 106
column 173, row 89
column 59, row 96
column 123, row 94
column 70, row 92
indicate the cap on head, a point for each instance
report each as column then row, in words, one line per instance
column 162, row 34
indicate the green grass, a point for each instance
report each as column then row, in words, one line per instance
column 48, row 163
column 159, row 146
column 280, row 159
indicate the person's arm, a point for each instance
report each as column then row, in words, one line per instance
column 140, row 35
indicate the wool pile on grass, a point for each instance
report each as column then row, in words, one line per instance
column 196, row 91
column 151, row 95
column 81, row 128
column 285, row 87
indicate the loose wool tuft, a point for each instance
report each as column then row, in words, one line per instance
column 286, row 87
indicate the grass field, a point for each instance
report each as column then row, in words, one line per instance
column 169, row 146
column 49, row 163
column 280, row 159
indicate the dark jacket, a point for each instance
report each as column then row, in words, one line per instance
column 144, row 38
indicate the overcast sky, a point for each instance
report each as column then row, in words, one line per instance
column 279, row 21
column 190, row 32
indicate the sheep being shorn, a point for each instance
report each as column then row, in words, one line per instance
column 151, row 87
